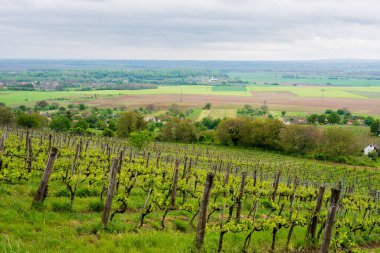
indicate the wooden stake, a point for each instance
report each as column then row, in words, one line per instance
column 42, row 189
column 202, row 218
column 330, row 220
column 111, row 189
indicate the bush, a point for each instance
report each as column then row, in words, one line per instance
column 140, row 139
column 6, row 115
column 299, row 139
column 230, row 131
column 108, row 133
column 338, row 142
column 34, row 120
column 179, row 130
column 373, row 155
column 60, row 123
column 129, row 122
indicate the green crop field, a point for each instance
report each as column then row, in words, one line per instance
column 265, row 77
column 229, row 88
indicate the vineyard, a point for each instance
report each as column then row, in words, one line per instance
column 93, row 193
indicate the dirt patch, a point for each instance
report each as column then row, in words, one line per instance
column 275, row 100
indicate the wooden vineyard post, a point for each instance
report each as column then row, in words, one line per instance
column 202, row 219
column 3, row 139
column 241, row 195
column 330, row 220
column 42, row 189
column 175, row 184
column 312, row 227
column 111, row 189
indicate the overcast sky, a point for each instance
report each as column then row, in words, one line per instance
column 190, row 29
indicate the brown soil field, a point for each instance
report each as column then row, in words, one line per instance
column 275, row 101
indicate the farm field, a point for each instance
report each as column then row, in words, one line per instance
column 148, row 217
column 305, row 99
column 217, row 114
column 265, row 77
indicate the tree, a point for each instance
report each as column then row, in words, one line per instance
column 210, row 123
column 82, row 124
column 321, row 119
column 340, row 112
column 266, row 133
column 179, row 130
column 108, row 133
column 207, row 106
column 229, row 132
column 60, row 124
column 299, row 139
column 333, row 118
column 175, row 109
column 82, row 107
column 375, row 127
column 283, row 113
column 7, row 117
column 34, row 120
column 140, row 139
column 129, row 122
column 42, row 104
column 78, row 130
column 336, row 142
column 312, row 119
column 369, row 120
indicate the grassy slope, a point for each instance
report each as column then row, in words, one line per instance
column 54, row 229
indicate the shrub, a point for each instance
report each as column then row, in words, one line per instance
column 129, row 122
column 338, row 142
column 299, row 139
column 179, row 130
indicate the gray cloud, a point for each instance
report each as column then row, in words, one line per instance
column 196, row 29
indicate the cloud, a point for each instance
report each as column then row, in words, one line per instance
column 196, row 29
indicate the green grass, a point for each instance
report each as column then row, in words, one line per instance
column 53, row 229
column 203, row 114
column 229, row 88
column 194, row 115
